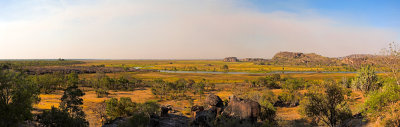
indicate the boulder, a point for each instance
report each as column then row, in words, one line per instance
column 204, row 118
column 242, row 108
column 165, row 110
column 214, row 100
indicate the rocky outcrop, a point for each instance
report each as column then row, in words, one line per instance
column 242, row 108
column 297, row 58
column 214, row 101
column 288, row 55
column 167, row 119
column 239, row 109
column 356, row 60
column 231, row 59
column 204, row 118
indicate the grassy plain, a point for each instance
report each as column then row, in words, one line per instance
column 208, row 65
column 224, row 84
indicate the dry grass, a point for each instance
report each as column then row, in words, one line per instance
column 288, row 113
column 90, row 101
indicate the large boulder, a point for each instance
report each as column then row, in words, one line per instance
column 242, row 108
column 213, row 100
column 204, row 118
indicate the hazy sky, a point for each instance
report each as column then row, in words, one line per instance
column 194, row 29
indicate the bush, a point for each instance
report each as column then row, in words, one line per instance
column 49, row 82
column 126, row 108
column 366, row 80
column 289, row 98
column 266, row 99
column 60, row 118
column 346, row 82
column 329, row 106
column 122, row 108
column 139, row 120
column 294, row 84
column 149, row 108
column 378, row 100
column 100, row 92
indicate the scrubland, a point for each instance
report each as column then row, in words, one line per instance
column 223, row 83
column 281, row 94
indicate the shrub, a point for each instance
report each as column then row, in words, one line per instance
column 126, row 108
column 378, row 100
column 139, row 120
column 60, row 118
column 122, row 108
column 149, row 108
column 293, row 84
column 266, row 99
column 329, row 106
column 49, row 82
column 100, row 92
column 289, row 98
column 366, row 80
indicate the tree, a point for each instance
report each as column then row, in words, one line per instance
column 160, row 87
column 72, row 79
column 49, row 82
column 60, row 118
column 69, row 114
column 122, row 108
column 181, row 85
column 122, row 83
column 71, row 102
column 391, row 59
column 17, row 94
column 199, row 88
column 366, row 80
column 225, row 68
column 139, row 113
column 290, row 95
column 330, row 106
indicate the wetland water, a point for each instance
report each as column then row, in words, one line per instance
column 275, row 72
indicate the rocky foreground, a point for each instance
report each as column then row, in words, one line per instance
column 241, row 112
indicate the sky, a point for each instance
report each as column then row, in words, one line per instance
column 194, row 29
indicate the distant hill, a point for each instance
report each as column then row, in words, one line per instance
column 298, row 58
column 360, row 59
column 312, row 59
